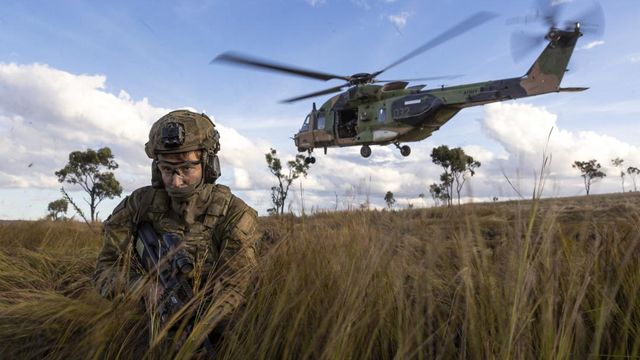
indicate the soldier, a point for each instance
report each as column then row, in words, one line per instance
column 218, row 230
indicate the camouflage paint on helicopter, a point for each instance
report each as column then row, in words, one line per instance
column 393, row 113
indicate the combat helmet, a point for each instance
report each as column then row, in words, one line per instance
column 181, row 131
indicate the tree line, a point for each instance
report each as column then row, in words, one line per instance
column 91, row 170
column 591, row 172
column 457, row 167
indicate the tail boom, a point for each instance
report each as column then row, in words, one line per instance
column 546, row 73
column 544, row 76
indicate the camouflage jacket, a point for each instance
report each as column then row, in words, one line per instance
column 222, row 239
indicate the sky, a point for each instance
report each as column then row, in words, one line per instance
column 87, row 74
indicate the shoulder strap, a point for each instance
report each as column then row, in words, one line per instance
column 143, row 206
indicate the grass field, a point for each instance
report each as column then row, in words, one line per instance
column 549, row 279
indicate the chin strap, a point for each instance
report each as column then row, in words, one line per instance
column 185, row 192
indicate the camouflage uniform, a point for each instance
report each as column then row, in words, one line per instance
column 218, row 230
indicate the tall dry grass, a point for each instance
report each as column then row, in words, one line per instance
column 549, row 279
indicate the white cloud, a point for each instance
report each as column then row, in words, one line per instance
column 523, row 130
column 242, row 178
column 634, row 59
column 316, row 3
column 592, row 44
column 479, row 153
column 245, row 156
column 344, row 174
column 399, row 21
column 45, row 113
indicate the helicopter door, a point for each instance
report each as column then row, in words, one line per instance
column 346, row 123
column 321, row 135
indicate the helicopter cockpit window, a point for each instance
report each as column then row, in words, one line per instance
column 320, row 122
column 305, row 124
column 382, row 115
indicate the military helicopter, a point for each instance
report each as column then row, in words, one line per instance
column 394, row 113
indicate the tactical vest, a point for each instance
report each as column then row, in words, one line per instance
column 203, row 238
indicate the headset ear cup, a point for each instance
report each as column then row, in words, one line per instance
column 156, row 176
column 212, row 169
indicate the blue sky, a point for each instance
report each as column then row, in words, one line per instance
column 78, row 74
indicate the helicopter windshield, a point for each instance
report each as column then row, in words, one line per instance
column 319, row 123
column 305, row 124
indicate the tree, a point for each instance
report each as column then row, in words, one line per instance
column 57, row 207
column 617, row 162
column 590, row 172
column 87, row 170
column 446, row 188
column 439, row 192
column 296, row 168
column 389, row 199
column 633, row 172
column 457, row 165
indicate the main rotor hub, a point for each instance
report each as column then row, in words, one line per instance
column 361, row 78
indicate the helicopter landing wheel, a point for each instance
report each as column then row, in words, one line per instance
column 405, row 150
column 365, row 151
column 310, row 160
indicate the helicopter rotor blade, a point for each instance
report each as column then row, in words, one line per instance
column 546, row 11
column 549, row 11
column 245, row 60
column 521, row 20
column 314, row 94
column 591, row 21
column 473, row 21
column 428, row 78
column 524, row 43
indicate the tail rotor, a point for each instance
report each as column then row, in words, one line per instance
column 549, row 13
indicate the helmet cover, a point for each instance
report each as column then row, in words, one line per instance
column 182, row 131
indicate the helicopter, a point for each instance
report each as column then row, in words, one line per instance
column 382, row 112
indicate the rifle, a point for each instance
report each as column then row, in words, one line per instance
column 163, row 256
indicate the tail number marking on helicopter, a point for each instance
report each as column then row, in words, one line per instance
column 401, row 112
